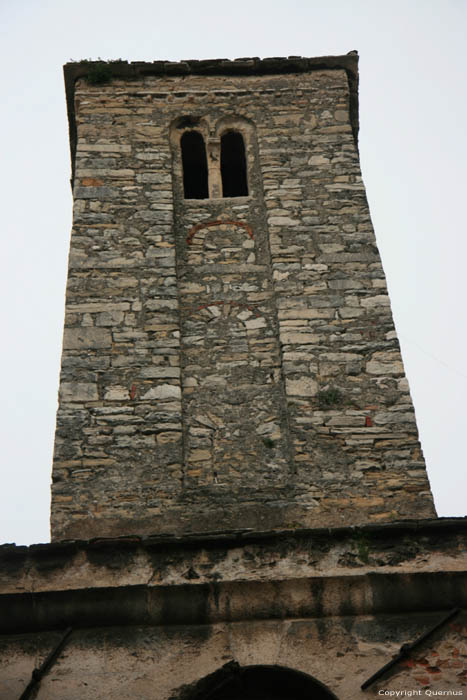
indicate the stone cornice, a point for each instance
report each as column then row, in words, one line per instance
column 233, row 601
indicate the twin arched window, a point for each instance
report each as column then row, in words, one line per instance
column 233, row 168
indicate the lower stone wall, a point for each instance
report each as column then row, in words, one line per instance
column 167, row 662
column 151, row 617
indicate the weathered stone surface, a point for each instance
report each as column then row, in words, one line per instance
column 86, row 338
column 78, row 391
column 305, row 386
column 117, row 393
column 164, row 391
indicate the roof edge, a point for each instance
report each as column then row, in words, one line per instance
column 233, row 538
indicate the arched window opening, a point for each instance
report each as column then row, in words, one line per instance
column 233, row 165
column 195, row 166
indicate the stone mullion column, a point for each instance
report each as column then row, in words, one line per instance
column 213, row 153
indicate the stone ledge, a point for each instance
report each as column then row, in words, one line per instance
column 198, row 604
column 403, row 548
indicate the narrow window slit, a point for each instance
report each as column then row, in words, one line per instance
column 233, row 165
column 195, row 166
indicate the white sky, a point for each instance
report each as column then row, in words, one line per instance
column 413, row 118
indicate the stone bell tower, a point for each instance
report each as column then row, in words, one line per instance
column 229, row 356
column 240, row 505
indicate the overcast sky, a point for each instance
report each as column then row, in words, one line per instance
column 413, row 144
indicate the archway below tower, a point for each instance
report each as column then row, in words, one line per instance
column 234, row 682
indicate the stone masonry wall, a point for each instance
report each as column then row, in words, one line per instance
column 227, row 362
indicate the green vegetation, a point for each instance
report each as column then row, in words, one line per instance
column 363, row 550
column 329, row 397
column 100, row 71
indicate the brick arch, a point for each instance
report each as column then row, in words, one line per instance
column 218, row 222
column 235, row 122
column 187, row 122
